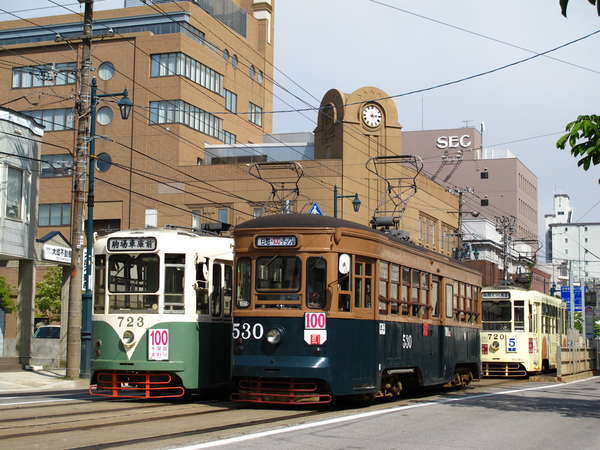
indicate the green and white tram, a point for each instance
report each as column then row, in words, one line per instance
column 521, row 331
column 161, row 323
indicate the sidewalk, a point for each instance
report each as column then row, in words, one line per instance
column 38, row 381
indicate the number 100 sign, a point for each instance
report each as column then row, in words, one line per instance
column 158, row 344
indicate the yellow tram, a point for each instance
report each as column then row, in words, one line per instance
column 521, row 331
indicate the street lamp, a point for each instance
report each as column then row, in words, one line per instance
column 125, row 105
column 355, row 203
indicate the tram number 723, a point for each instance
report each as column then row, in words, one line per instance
column 131, row 321
column 246, row 331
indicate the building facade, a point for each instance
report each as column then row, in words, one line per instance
column 19, row 174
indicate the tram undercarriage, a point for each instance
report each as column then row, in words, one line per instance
column 137, row 385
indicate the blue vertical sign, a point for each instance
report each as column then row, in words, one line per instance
column 565, row 294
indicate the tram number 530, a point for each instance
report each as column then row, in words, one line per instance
column 246, row 331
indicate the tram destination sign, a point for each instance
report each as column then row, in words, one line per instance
column 495, row 294
column 276, row 241
column 132, row 244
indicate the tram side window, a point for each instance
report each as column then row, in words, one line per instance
column 383, row 287
column 362, row 284
column 242, row 283
column 99, row 283
column 201, row 288
column 344, row 286
column 174, row 283
column 455, row 300
column 395, row 289
column 217, row 291
column 435, row 293
column 415, row 290
column 424, row 298
column 449, row 300
column 316, row 282
column 405, row 290
column 227, row 290
column 519, row 315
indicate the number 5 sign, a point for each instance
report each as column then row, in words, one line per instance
column 511, row 345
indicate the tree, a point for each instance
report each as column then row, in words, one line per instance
column 6, row 301
column 565, row 3
column 578, row 322
column 583, row 136
column 48, row 295
column 597, row 329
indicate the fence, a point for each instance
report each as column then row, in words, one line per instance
column 577, row 360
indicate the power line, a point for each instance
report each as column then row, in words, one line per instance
column 481, row 35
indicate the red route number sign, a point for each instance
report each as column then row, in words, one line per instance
column 158, row 344
column 315, row 321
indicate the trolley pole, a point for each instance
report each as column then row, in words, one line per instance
column 82, row 109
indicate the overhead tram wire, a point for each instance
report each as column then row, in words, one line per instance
column 481, row 35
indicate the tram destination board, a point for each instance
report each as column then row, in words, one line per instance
column 276, row 241
column 132, row 244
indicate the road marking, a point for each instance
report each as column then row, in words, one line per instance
column 39, row 401
column 335, row 420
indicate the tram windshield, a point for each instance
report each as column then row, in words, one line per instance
column 133, row 278
column 281, row 273
column 497, row 315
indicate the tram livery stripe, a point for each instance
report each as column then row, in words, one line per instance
column 335, row 420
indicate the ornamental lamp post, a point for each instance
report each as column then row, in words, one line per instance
column 125, row 105
column 355, row 202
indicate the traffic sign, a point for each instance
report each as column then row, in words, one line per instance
column 314, row 209
column 565, row 293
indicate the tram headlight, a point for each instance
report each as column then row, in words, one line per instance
column 128, row 337
column 274, row 336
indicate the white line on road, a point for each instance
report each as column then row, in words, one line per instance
column 320, row 423
column 39, row 401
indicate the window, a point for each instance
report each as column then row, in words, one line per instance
column 44, row 75
column 427, row 229
column 255, row 114
column 316, row 284
column 519, row 314
column 230, row 100
column 405, row 290
column 151, row 218
column 201, row 288
column 54, row 214
column 345, row 288
column 485, row 202
column 172, row 64
column 57, row 166
column 174, row 283
column 383, row 287
column 585, row 239
column 258, row 212
column 435, row 293
column 100, row 283
column 197, row 218
column 448, row 238
column 216, row 296
column 53, row 119
column 104, row 115
column 178, row 111
column 132, row 279
column 228, row 138
column 226, row 55
column 395, row 289
column 251, row 72
column 363, row 282
column 234, row 61
column 260, row 77
column 14, row 193
column 106, row 71
column 242, row 283
column 227, row 290
column 278, row 273
column 497, row 315
column 484, row 175
column 449, row 299
column 566, row 240
column 223, row 214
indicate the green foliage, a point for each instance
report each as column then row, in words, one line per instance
column 583, row 136
column 578, row 322
column 6, row 301
column 565, row 3
column 597, row 329
column 48, row 294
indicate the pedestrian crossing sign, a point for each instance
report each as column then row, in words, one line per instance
column 314, row 209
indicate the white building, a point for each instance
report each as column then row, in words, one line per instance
column 574, row 243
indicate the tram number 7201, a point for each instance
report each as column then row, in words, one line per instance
column 131, row 321
column 246, row 331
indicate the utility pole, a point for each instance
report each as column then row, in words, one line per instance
column 459, row 233
column 80, row 156
column 505, row 225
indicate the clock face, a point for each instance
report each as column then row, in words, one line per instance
column 371, row 116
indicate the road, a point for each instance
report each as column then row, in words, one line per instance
column 491, row 414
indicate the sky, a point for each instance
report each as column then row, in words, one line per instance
column 348, row 44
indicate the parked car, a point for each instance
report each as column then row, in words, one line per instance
column 48, row 332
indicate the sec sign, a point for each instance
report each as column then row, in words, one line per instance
column 463, row 141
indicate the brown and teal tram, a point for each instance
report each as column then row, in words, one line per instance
column 326, row 308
